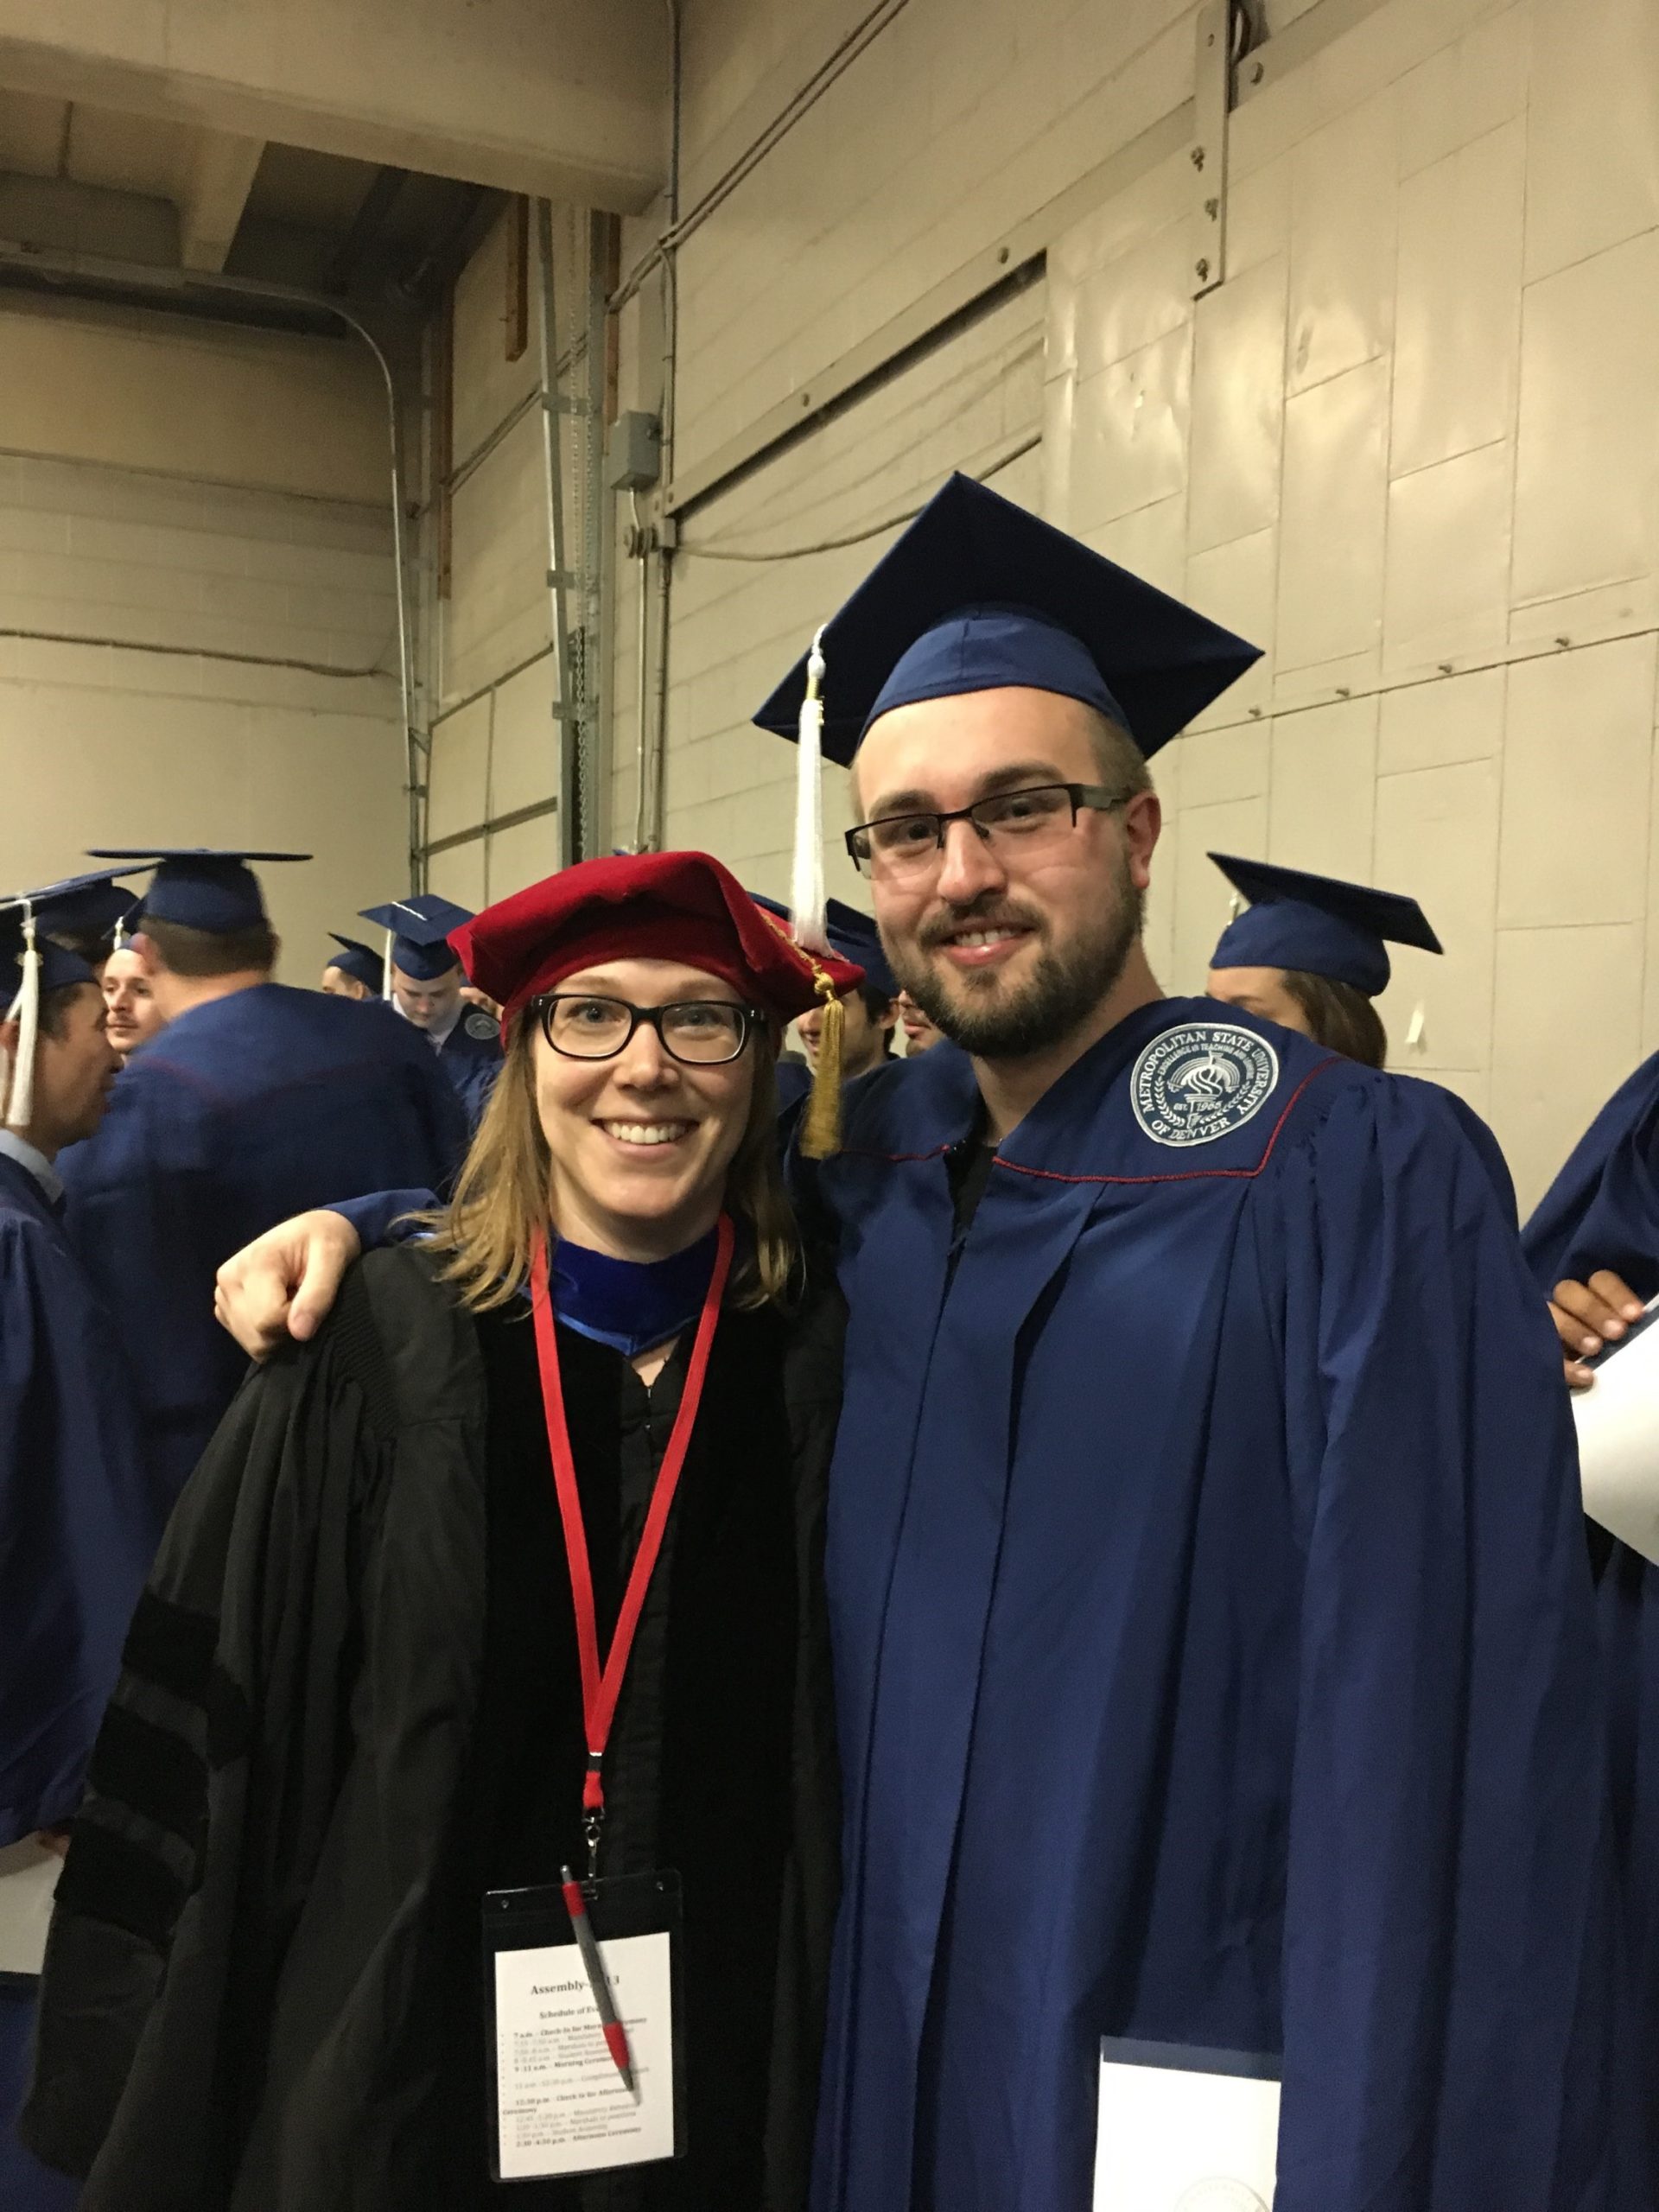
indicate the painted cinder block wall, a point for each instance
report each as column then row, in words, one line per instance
column 192, row 490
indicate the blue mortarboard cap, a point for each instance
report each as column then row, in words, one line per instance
column 854, row 937
column 420, row 926
column 357, row 959
column 1318, row 923
column 978, row 594
column 59, row 966
column 201, row 887
column 85, row 906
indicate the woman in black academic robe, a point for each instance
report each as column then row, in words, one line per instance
column 351, row 1703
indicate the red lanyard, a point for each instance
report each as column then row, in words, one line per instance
column 601, row 1686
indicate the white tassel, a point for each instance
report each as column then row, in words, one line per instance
column 26, row 1012
column 1417, row 1027
column 385, row 970
column 806, row 874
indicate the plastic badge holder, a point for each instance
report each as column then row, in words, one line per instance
column 1617, row 1422
column 567, row 2110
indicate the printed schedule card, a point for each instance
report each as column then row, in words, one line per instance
column 561, row 2106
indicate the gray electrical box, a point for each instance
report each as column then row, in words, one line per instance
column 635, row 458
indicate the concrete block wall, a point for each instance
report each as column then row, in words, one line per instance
column 1409, row 446
column 188, row 514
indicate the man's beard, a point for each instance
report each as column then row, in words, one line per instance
column 1067, row 986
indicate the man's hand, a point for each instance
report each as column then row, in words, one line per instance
column 284, row 1282
column 1590, row 1316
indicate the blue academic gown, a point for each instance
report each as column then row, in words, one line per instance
column 240, row 1112
column 1602, row 1210
column 76, row 1540
column 471, row 1057
column 1213, row 1639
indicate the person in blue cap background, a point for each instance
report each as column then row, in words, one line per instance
column 1311, row 952
column 424, row 980
column 1214, row 1667
column 255, row 1099
column 868, row 1014
column 871, row 1013
column 76, row 1525
column 83, row 913
column 354, row 972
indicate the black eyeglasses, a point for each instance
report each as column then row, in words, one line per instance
column 698, row 1032
column 909, row 844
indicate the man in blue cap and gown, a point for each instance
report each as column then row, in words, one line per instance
column 1311, row 952
column 870, row 1014
column 424, row 980
column 1215, row 1663
column 255, row 1099
column 77, row 1530
column 352, row 972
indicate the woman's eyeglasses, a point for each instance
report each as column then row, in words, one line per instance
column 698, row 1032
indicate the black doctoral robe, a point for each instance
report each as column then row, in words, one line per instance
column 350, row 1705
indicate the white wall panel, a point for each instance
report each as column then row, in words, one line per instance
column 1342, row 246
column 1592, row 128
column 1587, row 470
column 1566, row 1034
column 1446, row 593
column 1576, row 761
column 1459, row 329
column 1437, row 840
column 1330, row 537
column 1239, row 406
column 1237, row 586
column 1323, row 789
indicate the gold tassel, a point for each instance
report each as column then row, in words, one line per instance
column 821, row 1124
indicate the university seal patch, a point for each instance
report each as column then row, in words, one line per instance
column 479, row 1024
column 1201, row 1082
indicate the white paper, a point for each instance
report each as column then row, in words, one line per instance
column 1617, row 1420
column 28, row 1875
column 1176, row 2141
column 562, row 2107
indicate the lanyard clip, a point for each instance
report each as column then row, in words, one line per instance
column 592, row 1813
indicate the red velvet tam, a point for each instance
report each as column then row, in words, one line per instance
column 682, row 906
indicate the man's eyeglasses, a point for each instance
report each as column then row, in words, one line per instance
column 1009, row 822
column 698, row 1032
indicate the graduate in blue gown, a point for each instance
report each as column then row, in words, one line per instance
column 870, row 1013
column 1311, row 952
column 1215, row 1659
column 1601, row 1214
column 423, row 980
column 254, row 1101
column 355, row 971
column 76, row 1534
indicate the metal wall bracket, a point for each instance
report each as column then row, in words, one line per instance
column 1213, row 79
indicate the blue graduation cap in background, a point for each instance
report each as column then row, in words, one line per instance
column 30, row 964
column 357, row 960
column 979, row 595
column 419, row 927
column 198, row 886
column 1318, row 923
column 85, row 908
column 852, row 936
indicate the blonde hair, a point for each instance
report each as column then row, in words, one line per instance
column 490, row 1227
